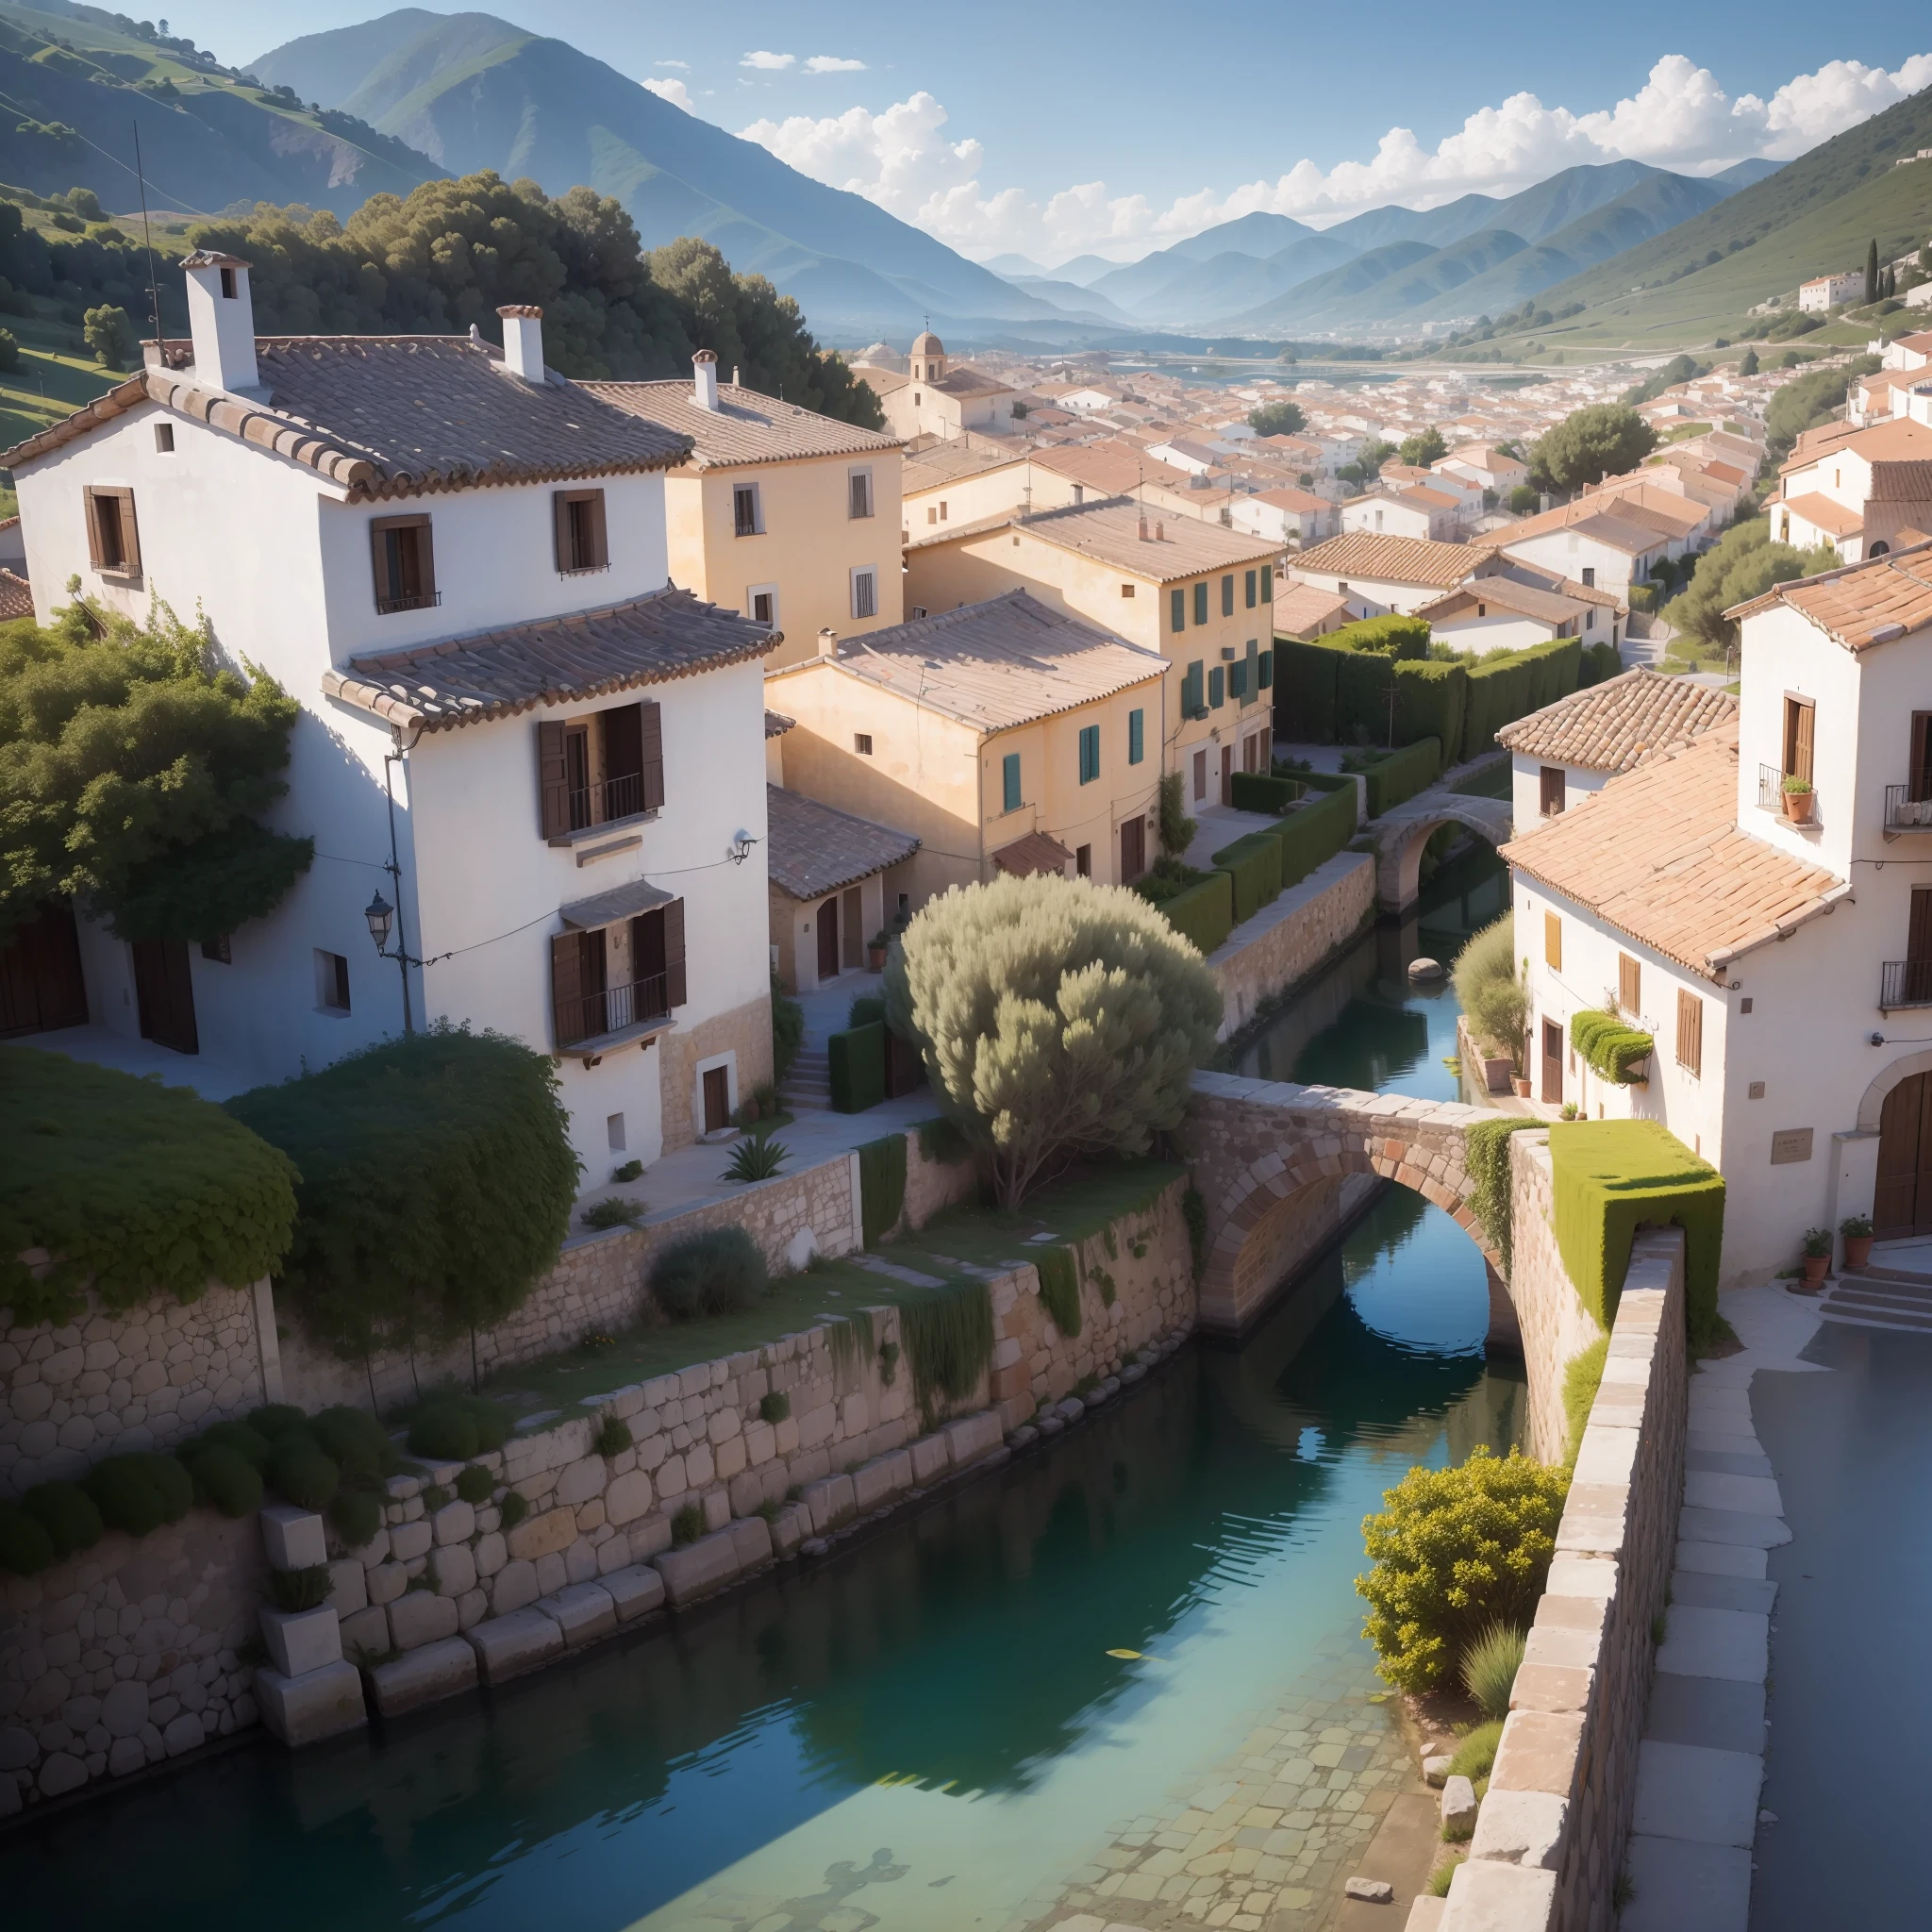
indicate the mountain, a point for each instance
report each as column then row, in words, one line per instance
column 1258, row 234
column 78, row 80
column 473, row 91
column 1230, row 284
column 1071, row 299
column 1745, row 173
column 1083, row 269
column 1012, row 265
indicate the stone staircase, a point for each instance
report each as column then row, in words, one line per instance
column 1880, row 1297
column 809, row 1086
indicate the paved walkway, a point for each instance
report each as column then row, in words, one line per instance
column 1701, row 1765
column 213, row 1079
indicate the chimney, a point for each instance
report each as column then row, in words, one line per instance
column 522, row 341
column 704, row 373
column 828, row 643
column 221, row 316
column 1144, row 529
column 1159, row 532
column 735, row 383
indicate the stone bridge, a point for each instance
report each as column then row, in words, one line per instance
column 1282, row 1167
column 1401, row 834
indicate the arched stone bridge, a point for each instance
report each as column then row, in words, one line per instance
column 1401, row 834
column 1281, row 1166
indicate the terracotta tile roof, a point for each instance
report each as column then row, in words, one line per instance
column 1109, row 531
column 1822, row 513
column 1112, row 466
column 965, row 383
column 1290, row 497
column 394, row 416
column 1392, row 559
column 1302, row 610
column 1864, row 603
column 950, row 463
column 745, row 428
column 778, row 723
column 1658, row 855
column 882, row 382
column 1036, row 851
column 668, row 635
column 1610, row 726
column 1589, row 517
column 16, row 597
column 994, row 665
column 815, row 849
column 1425, row 498
column 1526, row 600
column 1519, row 570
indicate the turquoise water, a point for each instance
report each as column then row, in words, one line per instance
column 924, row 1733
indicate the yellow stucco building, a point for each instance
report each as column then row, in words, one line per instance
column 789, row 516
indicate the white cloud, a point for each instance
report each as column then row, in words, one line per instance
column 769, row 63
column 1681, row 118
column 674, row 91
column 833, row 63
column 685, row 64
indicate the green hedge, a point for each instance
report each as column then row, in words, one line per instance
column 857, row 1058
column 1261, row 792
column 1431, row 701
column 1254, row 864
column 1600, row 663
column 1609, row 1047
column 1204, row 913
column 881, row 1186
column 1305, row 691
column 1316, row 833
column 1392, row 636
column 1403, row 773
column 1328, row 781
column 140, row 1186
column 1612, row 1178
column 1503, row 689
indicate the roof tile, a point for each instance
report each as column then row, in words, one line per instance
column 1610, row 726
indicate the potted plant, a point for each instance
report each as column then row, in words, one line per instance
column 1798, row 800
column 1520, row 1083
column 875, row 950
column 1817, row 1257
column 1856, row 1229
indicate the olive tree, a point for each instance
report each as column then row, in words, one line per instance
column 1058, row 1020
column 1598, row 440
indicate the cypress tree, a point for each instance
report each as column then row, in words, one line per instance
column 1871, row 271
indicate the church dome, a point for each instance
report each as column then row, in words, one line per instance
column 927, row 343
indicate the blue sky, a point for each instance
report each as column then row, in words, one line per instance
column 1051, row 131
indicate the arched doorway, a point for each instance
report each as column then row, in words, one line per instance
column 1902, row 1200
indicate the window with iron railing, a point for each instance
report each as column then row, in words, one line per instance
column 592, row 1015
column 596, row 769
column 609, row 980
column 1905, row 983
column 1771, row 788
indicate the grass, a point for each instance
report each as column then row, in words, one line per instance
column 1475, row 1757
column 949, row 1249
column 55, row 377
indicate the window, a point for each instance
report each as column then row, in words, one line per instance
column 1194, row 703
column 746, row 517
column 1630, row 985
column 1010, row 782
column 613, row 1132
column 1589, row 618
column 932, row 515
column 1249, row 588
column 1690, row 1031
column 862, row 743
column 331, row 982
column 858, row 494
column 1265, row 666
column 164, row 439
column 1083, row 860
column 1227, row 595
column 865, row 593
column 114, row 540
column 1126, row 590
column 1590, row 577
column 942, row 510
column 1268, row 583
column 1800, row 716
column 613, row 977
column 1090, row 752
column 1551, row 782
column 1178, row 611
column 1553, row 941
column 763, row 599
column 1201, row 601
column 221, row 950
column 577, row 518
column 1217, row 688
column 405, row 563
column 1238, row 680
column 1200, row 775
column 1137, row 737
column 229, row 288
column 594, row 770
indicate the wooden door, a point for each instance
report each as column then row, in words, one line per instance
column 1903, row 1203
column 1552, row 1063
column 165, row 992
column 828, row 938
column 40, row 984
column 1133, row 850
column 851, row 925
column 716, row 1100
column 1227, row 773
column 1918, row 986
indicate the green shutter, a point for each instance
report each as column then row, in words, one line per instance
column 1201, row 601
column 1192, row 699
column 1266, row 583
column 1238, row 680
column 1009, row 771
column 1227, row 594
column 1266, row 663
column 1177, row 606
column 1090, row 752
column 1251, row 680
column 1137, row 737
column 1215, row 683
column 1251, row 589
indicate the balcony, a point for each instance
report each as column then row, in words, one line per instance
column 615, row 798
column 1905, row 983
column 1904, row 813
column 595, row 1021
column 1770, row 797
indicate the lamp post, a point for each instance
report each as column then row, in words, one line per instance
column 379, row 912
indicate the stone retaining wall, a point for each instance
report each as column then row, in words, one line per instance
column 1286, row 940
column 1550, row 1839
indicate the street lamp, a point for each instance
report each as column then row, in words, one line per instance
column 379, row 912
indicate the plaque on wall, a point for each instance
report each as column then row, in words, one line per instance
column 1789, row 1144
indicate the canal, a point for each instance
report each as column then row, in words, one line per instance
column 976, row 1718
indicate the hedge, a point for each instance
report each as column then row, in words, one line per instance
column 1600, row 663
column 857, row 1057
column 1305, row 691
column 1254, row 864
column 1261, row 792
column 1431, row 701
column 1204, row 913
column 1503, row 689
column 139, row 1185
column 881, row 1186
column 1609, row 1047
column 1610, row 1178
column 1394, row 636
column 1316, row 833
column 1403, row 773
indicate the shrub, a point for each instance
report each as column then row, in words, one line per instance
column 1254, row 863
column 1403, row 773
column 513, row 1509
column 1315, row 834
column 276, row 1418
column 138, row 1187
column 1505, row 686
column 865, row 1009
column 437, row 1181
column 67, row 1513
column 1583, row 1376
column 775, row 1407
column 600, row 1217
column 612, row 1438
column 787, row 1029
column 1058, row 1019
column 453, row 1425
column 1059, row 1287
column 940, row 1140
column 245, row 1439
column 140, row 1492
column 1490, row 1666
column 475, row 1484
column 1476, row 1756
column 302, row 1472
column 354, row 1439
column 756, row 1158
column 1203, row 913
column 628, row 1171
column 881, row 1186
column 715, row 1273
column 858, row 1060
column 1455, row 1551
column 1261, row 792
column 300, row 1589
column 356, row 1515
column 1394, row 636
column 949, row 1337
column 1305, row 682
column 1177, row 829
column 1611, row 1049
column 1599, row 664
column 1486, row 988
column 687, row 1526
column 227, row 1479
column 25, row 1548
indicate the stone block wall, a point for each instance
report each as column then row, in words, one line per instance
column 1549, row 1840
column 145, row 1377
column 1286, row 940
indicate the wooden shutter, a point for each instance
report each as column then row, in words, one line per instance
column 676, row 994
column 378, row 559
column 1922, row 755
column 1690, row 1031
column 553, row 780
column 567, row 986
column 623, row 756
column 1799, row 719
column 599, row 531
column 425, row 562
column 117, row 504
column 1919, row 933
column 560, row 530
column 651, row 751
column 1553, row 941
column 1629, row 984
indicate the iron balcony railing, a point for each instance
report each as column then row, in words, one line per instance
column 593, row 1015
column 1906, row 983
column 414, row 600
column 614, row 798
column 1771, row 788
column 1904, row 813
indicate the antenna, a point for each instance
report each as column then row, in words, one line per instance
column 154, row 291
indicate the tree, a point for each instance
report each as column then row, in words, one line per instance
column 1872, row 269
column 1421, row 450
column 1368, row 465
column 1058, row 1020
column 1277, row 419
column 9, row 349
column 133, row 769
column 1524, row 499
column 110, row 333
column 1744, row 563
column 1811, row 400
column 1601, row 440
column 1747, row 362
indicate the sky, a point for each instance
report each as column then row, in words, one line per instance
column 1054, row 132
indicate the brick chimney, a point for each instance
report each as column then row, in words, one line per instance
column 522, row 341
column 704, row 373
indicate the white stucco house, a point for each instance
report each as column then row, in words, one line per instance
column 544, row 756
column 1784, row 968
column 1861, row 491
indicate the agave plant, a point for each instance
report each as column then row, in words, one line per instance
column 756, row 1158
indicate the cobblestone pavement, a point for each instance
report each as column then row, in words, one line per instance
column 1266, row 1840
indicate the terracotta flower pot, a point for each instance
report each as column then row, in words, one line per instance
column 875, row 958
column 1857, row 1250
column 1815, row 1266
column 1522, row 1087
column 1798, row 806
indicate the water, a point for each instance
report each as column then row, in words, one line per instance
column 925, row 1732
